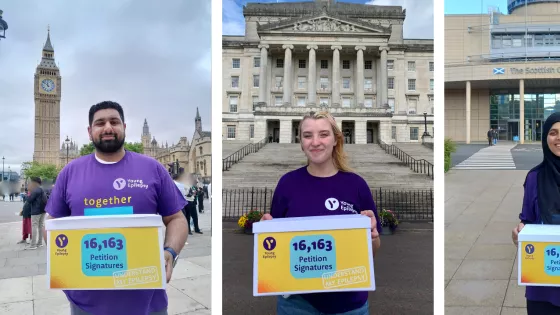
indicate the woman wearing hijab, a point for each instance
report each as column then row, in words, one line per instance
column 541, row 205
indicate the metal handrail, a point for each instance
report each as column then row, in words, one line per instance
column 421, row 166
column 235, row 157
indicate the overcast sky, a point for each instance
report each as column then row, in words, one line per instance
column 419, row 22
column 152, row 57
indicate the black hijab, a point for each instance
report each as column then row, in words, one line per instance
column 548, row 176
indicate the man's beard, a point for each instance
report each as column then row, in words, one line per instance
column 108, row 146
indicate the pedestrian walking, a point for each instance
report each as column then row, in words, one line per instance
column 38, row 202
column 541, row 205
column 490, row 135
column 104, row 175
column 26, row 223
column 321, row 188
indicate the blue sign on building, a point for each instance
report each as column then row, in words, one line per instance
column 499, row 71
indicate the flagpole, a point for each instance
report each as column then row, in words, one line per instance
column 526, row 31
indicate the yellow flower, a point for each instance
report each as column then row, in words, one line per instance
column 242, row 221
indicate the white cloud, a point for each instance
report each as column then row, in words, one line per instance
column 419, row 21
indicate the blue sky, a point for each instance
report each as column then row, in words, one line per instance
column 419, row 23
column 473, row 7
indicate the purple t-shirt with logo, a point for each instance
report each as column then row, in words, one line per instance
column 299, row 194
column 137, row 184
column 530, row 214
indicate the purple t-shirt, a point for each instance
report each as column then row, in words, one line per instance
column 136, row 184
column 530, row 214
column 299, row 194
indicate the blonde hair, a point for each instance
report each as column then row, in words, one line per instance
column 339, row 156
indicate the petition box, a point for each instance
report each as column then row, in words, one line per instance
column 539, row 255
column 313, row 254
column 123, row 252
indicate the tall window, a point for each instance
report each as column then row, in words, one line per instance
column 368, row 65
column 390, row 64
column 345, row 64
column 431, row 84
column 431, row 66
column 324, row 101
column 324, row 64
column 233, row 104
column 301, row 82
column 279, row 63
column 302, row 63
column 279, row 81
column 346, row 102
column 255, row 101
column 412, row 84
column 256, row 81
column 234, row 82
column 391, row 83
column 368, row 102
column 257, row 62
column 301, row 101
column 412, row 66
column 414, row 133
column 251, row 131
column 236, row 63
column 231, row 132
column 368, row 84
column 324, row 83
column 278, row 100
column 391, row 102
column 346, row 83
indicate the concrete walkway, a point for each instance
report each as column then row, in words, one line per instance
column 481, row 209
column 23, row 281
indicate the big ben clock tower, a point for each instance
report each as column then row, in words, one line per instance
column 47, row 92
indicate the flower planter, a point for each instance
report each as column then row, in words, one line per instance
column 249, row 231
column 388, row 230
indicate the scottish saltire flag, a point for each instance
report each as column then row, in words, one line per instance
column 499, row 71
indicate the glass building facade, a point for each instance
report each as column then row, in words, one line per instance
column 504, row 113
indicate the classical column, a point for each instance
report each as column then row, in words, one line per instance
column 288, row 74
column 468, row 113
column 383, row 92
column 522, row 111
column 286, row 131
column 312, row 77
column 360, row 132
column 262, row 75
column 336, row 76
column 360, row 76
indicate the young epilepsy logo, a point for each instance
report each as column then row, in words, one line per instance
column 119, row 183
column 332, row 204
column 269, row 243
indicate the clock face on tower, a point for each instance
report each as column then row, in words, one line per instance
column 47, row 85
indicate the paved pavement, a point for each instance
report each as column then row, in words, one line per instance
column 403, row 273
column 23, row 281
column 9, row 210
column 481, row 209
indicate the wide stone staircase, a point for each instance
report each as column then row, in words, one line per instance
column 250, row 183
column 416, row 150
column 265, row 167
column 231, row 146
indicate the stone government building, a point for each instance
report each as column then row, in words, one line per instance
column 349, row 58
column 195, row 158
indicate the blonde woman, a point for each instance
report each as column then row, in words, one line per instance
column 326, row 186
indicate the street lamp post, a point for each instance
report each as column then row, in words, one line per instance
column 67, row 148
column 3, row 28
column 425, row 125
column 3, row 158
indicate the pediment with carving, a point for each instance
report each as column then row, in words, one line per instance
column 323, row 24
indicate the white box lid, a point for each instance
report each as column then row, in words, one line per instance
column 539, row 232
column 104, row 221
column 316, row 223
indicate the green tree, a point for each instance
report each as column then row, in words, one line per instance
column 43, row 171
column 450, row 147
column 129, row 146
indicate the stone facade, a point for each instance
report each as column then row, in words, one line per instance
column 348, row 58
column 69, row 151
column 195, row 157
column 47, row 94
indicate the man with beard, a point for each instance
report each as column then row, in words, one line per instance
column 109, row 174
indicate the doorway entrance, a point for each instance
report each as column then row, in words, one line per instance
column 348, row 132
column 295, row 131
column 273, row 131
column 513, row 130
column 372, row 132
column 533, row 130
